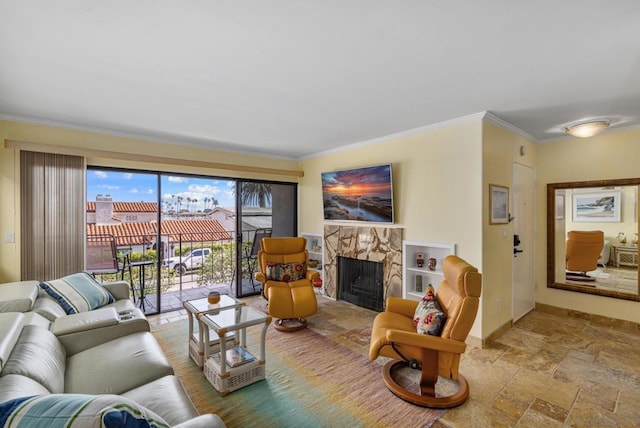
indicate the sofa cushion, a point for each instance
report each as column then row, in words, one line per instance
column 18, row 296
column 38, row 355
column 11, row 324
column 77, row 410
column 429, row 318
column 48, row 307
column 125, row 363
column 286, row 272
column 79, row 292
column 15, row 386
column 166, row 397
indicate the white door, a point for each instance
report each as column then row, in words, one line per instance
column 523, row 191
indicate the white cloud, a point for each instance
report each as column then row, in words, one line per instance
column 177, row 179
column 204, row 189
column 100, row 174
column 134, row 191
column 149, row 191
column 127, row 176
column 108, row 187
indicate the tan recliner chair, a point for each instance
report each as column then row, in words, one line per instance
column 287, row 283
column 394, row 335
column 583, row 251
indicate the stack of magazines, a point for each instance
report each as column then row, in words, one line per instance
column 235, row 356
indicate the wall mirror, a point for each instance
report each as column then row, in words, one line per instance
column 595, row 216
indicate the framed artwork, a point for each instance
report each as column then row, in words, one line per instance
column 597, row 207
column 559, row 207
column 498, row 204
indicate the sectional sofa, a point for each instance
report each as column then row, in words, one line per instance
column 98, row 367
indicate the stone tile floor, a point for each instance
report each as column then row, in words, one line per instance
column 552, row 368
column 621, row 279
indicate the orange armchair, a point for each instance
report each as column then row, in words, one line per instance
column 286, row 281
column 394, row 335
column 583, row 251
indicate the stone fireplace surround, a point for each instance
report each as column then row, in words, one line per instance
column 378, row 244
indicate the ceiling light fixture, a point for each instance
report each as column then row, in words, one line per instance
column 587, row 129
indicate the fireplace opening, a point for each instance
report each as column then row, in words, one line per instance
column 360, row 283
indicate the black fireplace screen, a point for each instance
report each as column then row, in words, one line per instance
column 360, row 283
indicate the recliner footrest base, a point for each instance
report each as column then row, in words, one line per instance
column 423, row 400
column 289, row 325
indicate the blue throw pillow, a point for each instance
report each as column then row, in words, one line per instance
column 77, row 410
column 77, row 293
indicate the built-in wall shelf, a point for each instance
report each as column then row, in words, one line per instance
column 415, row 278
column 315, row 247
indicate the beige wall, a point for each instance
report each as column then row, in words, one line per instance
column 9, row 223
column 501, row 148
column 607, row 156
column 53, row 136
column 437, row 187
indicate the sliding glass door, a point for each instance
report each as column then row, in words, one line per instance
column 121, row 226
column 177, row 237
column 197, row 235
column 265, row 209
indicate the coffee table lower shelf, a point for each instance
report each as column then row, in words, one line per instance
column 214, row 346
column 233, row 378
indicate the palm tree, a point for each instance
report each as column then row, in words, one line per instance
column 256, row 194
column 179, row 203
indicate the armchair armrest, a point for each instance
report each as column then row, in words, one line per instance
column 402, row 306
column 436, row 343
column 311, row 274
column 260, row 277
column 118, row 289
column 97, row 318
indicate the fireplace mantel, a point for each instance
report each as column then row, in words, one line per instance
column 378, row 244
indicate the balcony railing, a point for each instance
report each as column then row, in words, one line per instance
column 173, row 257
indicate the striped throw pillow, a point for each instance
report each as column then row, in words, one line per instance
column 77, row 411
column 77, row 293
column 286, row 272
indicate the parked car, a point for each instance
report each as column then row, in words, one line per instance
column 190, row 261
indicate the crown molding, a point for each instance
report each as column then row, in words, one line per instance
column 506, row 125
column 153, row 137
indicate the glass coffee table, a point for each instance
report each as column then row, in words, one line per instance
column 231, row 368
column 195, row 308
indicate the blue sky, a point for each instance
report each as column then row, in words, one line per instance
column 140, row 187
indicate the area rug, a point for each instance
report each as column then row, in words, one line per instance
column 311, row 381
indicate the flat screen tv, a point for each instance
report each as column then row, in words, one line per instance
column 361, row 194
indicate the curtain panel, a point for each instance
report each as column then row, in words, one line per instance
column 52, row 211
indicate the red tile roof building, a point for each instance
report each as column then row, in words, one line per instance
column 140, row 233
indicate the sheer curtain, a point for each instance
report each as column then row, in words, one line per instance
column 52, row 209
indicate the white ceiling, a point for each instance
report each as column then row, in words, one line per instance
column 293, row 78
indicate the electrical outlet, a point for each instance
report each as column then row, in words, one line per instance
column 9, row 237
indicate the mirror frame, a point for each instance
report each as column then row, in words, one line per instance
column 551, row 232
